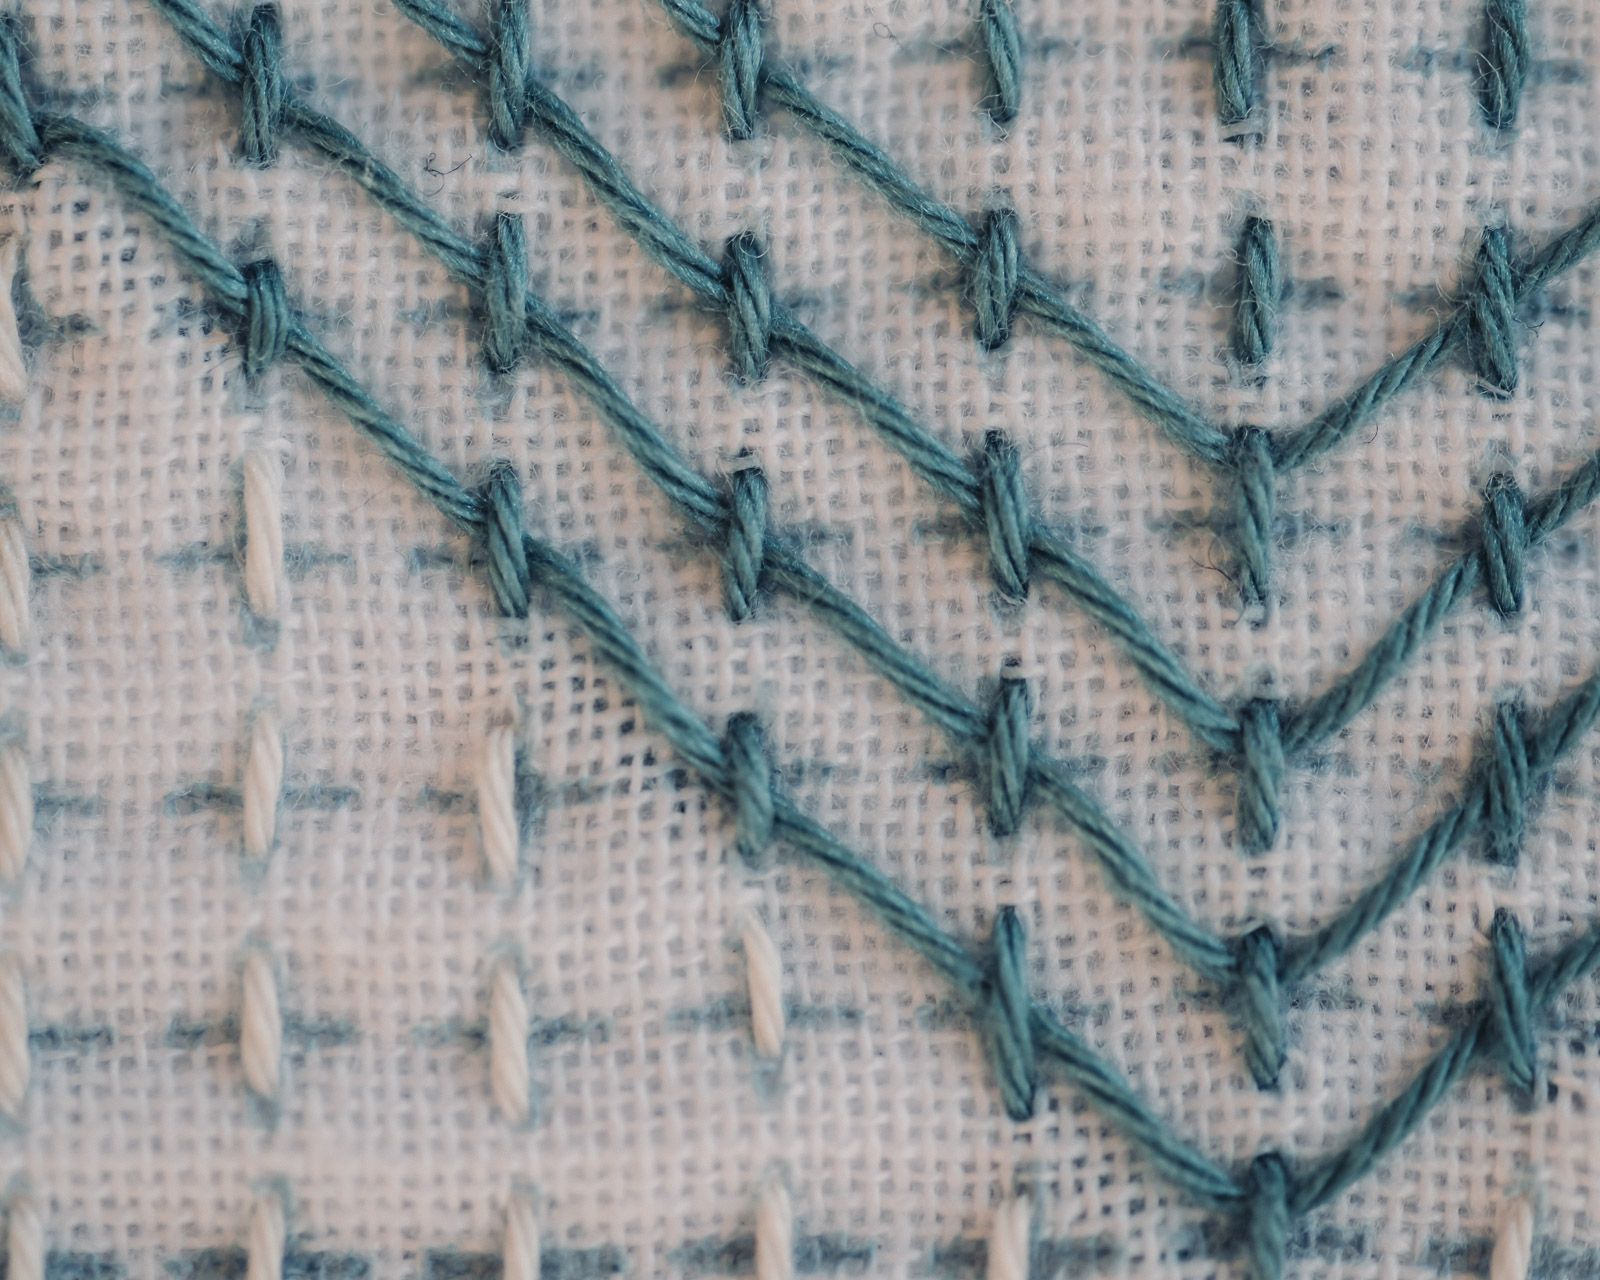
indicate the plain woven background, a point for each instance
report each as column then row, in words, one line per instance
column 654, row 1125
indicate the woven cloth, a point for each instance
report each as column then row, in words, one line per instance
column 395, row 951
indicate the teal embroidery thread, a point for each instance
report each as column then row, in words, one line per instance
column 1001, row 47
column 1255, row 327
column 1503, row 60
column 1238, row 45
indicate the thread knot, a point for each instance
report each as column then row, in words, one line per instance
column 267, row 319
column 744, row 548
column 1261, row 779
column 740, row 56
column 1267, row 1220
column 503, row 537
column 1238, row 43
column 1510, row 784
column 19, row 138
column 1008, row 1015
column 1492, row 316
column 1009, row 747
column 1003, row 506
column 505, row 329
column 1505, row 60
column 1255, row 512
column 1505, row 542
column 508, row 69
column 749, row 306
column 996, row 273
column 1510, row 1005
column 1002, row 54
column 1260, row 976
column 1255, row 319
column 264, row 90
column 751, row 788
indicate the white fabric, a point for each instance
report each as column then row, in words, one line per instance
column 651, row 1128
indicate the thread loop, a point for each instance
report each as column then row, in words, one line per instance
column 1511, row 1005
column 1492, row 316
column 740, row 56
column 1009, row 749
column 995, row 275
column 1504, row 60
column 1008, row 1016
column 1505, row 542
column 1260, row 979
column 1001, row 46
column 267, row 318
column 749, row 306
column 1003, row 505
column 1261, row 779
column 1255, row 512
column 508, row 69
column 1510, row 784
column 744, row 547
column 264, row 91
column 751, row 786
column 1267, row 1220
column 503, row 535
column 505, row 330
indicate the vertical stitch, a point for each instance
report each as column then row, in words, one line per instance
column 501, row 833
column 1008, row 1020
column 1511, row 1005
column 1505, row 58
column 25, row 1245
column 1512, row 1258
column 1510, row 781
column 1255, row 317
column 268, row 1238
column 1505, row 542
column 509, row 1077
column 501, row 530
column 1001, row 45
column 263, row 90
column 1007, row 519
column 744, row 545
column 1261, row 989
column 996, row 277
column 1492, row 315
column 1238, row 43
column 16, row 811
column 260, row 1028
column 263, row 785
column 1255, row 512
column 521, row 1246
column 15, row 1063
column 263, row 531
column 1009, row 751
column 739, row 61
column 508, row 68
column 505, row 330
column 750, row 306
column 13, row 367
column 774, row 1232
column 1011, row 1240
column 19, row 138
column 267, row 318
column 1259, row 803
column 764, row 977
column 16, row 586
column 1267, row 1220
column 750, row 772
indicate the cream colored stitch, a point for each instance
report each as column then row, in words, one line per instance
column 764, row 969
column 16, row 811
column 261, row 1028
column 509, row 1078
column 774, row 1233
column 25, row 1245
column 263, row 523
column 497, row 807
column 522, row 1238
column 15, row 1064
column 1010, row 1239
column 16, row 581
column 13, row 370
column 263, row 785
column 268, row 1236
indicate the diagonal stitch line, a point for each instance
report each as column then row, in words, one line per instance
column 1193, row 942
column 1191, row 1170
column 1304, row 726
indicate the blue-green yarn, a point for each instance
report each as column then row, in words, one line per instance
column 1009, row 752
column 505, row 328
column 750, row 306
column 1007, row 519
column 1261, row 777
column 1261, row 1005
column 502, row 534
column 20, row 145
column 1510, row 1005
column 263, row 90
column 996, row 272
column 1505, row 543
column 1267, row 1216
column 267, row 318
column 744, row 541
column 508, row 67
column 1255, row 512
column 740, row 54
column 1503, row 61
column 1509, row 782
column 1492, row 316
column 750, row 773
column 1237, row 46
column 1255, row 314
column 1008, row 1018
column 1000, row 45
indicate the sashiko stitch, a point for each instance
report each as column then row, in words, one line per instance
column 1026, row 1042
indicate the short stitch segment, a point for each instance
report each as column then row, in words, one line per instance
column 1255, row 512
column 1267, row 1216
column 505, row 330
column 1236, row 69
column 1007, row 520
column 502, row 534
column 1260, row 989
column 744, row 547
column 1255, row 317
column 1504, row 61
column 750, row 306
column 739, row 57
column 1509, row 782
column 1261, row 779
column 1010, row 748
column 1001, row 46
column 263, row 90
column 1510, row 1006
column 1492, row 315
column 750, row 774
column 508, row 67
column 1009, row 1016
column 996, row 275
column 267, row 319
column 26, row 1253
column 1505, row 542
